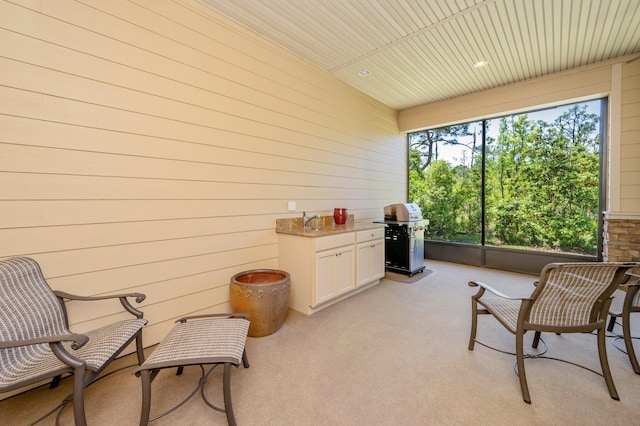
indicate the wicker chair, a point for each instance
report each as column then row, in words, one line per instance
column 568, row 298
column 35, row 341
column 626, row 300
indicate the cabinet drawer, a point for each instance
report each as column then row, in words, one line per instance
column 370, row 234
column 333, row 241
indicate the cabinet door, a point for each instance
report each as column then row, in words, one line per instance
column 335, row 273
column 370, row 264
column 362, row 267
column 345, row 276
column 325, row 276
column 376, row 256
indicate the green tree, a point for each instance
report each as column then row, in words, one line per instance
column 547, row 175
column 468, row 193
column 439, row 201
column 426, row 141
column 417, row 185
column 541, row 182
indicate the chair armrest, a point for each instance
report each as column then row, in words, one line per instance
column 123, row 300
column 487, row 287
column 631, row 278
column 231, row 315
column 78, row 341
column 139, row 297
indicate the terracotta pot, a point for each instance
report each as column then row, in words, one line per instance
column 264, row 295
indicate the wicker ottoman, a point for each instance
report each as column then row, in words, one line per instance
column 198, row 340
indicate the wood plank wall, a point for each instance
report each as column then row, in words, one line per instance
column 630, row 139
column 150, row 145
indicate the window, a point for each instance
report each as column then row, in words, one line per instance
column 529, row 181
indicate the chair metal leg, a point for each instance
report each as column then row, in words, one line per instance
column 474, row 324
column 536, row 339
column 78, row 396
column 79, row 368
column 55, row 382
column 604, row 363
column 228, row 406
column 520, row 363
column 139, row 348
column 628, row 341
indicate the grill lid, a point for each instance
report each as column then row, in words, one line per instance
column 402, row 212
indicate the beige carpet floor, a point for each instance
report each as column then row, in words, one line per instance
column 395, row 354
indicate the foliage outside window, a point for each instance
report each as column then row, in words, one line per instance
column 541, row 180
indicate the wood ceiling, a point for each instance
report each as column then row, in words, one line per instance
column 423, row 51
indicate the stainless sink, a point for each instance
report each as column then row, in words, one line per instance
column 314, row 229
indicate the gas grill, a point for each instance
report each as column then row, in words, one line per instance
column 404, row 238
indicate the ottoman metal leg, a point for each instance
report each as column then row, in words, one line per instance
column 245, row 359
column 228, row 406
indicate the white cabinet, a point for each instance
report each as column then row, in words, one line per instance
column 327, row 269
column 370, row 256
column 334, row 273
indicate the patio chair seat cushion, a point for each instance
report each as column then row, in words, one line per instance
column 505, row 310
column 618, row 302
column 30, row 364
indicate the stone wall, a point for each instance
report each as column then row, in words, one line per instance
column 621, row 240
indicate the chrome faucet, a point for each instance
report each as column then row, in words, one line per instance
column 306, row 220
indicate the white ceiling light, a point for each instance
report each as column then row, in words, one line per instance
column 480, row 64
column 364, row 73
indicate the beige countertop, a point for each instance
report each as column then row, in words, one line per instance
column 321, row 227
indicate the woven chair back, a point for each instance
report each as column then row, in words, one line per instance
column 28, row 310
column 572, row 294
